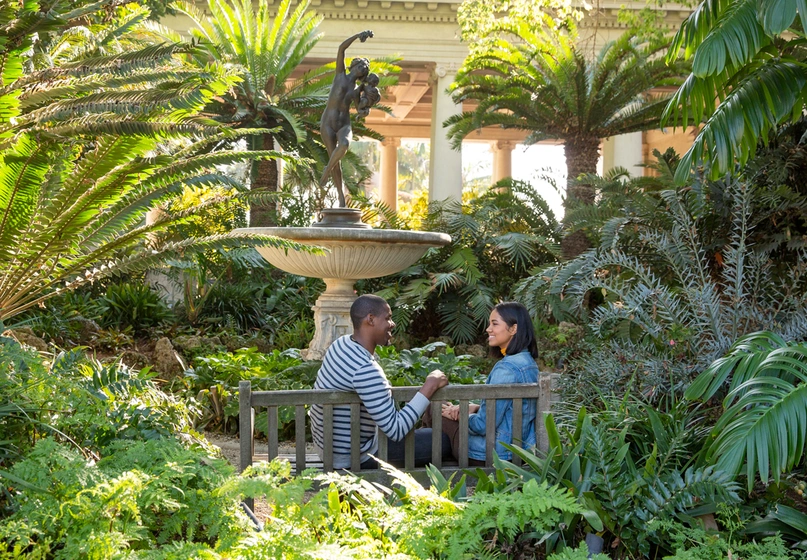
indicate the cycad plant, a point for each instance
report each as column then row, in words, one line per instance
column 532, row 75
column 496, row 239
column 679, row 282
column 629, row 467
column 81, row 163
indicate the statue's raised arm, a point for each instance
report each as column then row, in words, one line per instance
column 335, row 124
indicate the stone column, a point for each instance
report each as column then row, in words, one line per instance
column 389, row 172
column 625, row 150
column 445, row 164
column 502, row 159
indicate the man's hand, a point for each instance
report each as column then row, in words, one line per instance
column 364, row 35
column 435, row 380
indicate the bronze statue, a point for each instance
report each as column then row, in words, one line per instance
column 335, row 123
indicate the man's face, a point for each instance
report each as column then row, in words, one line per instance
column 382, row 327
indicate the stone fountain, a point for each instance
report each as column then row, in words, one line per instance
column 352, row 254
column 354, row 250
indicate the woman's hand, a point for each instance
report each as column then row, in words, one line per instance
column 451, row 411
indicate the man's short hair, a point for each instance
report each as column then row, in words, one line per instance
column 365, row 305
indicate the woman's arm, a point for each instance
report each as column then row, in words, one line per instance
column 340, row 54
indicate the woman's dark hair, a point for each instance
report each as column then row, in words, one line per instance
column 514, row 313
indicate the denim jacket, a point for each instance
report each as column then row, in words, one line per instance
column 518, row 368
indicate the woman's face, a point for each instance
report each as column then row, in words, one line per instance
column 499, row 334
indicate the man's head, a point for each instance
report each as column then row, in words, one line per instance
column 372, row 320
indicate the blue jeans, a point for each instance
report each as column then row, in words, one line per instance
column 423, row 450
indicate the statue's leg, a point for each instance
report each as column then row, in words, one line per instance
column 334, row 169
column 329, row 138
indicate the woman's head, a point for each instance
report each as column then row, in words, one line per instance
column 510, row 329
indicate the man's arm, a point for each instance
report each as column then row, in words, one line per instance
column 371, row 386
column 340, row 54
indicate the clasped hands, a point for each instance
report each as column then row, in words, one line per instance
column 452, row 411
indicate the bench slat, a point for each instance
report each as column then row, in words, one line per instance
column 355, row 436
column 463, row 444
column 437, row 433
column 490, row 430
column 299, row 439
column 409, row 450
column 271, row 434
column 327, row 436
column 383, row 444
column 517, row 436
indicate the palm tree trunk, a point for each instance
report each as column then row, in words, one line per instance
column 582, row 154
column 264, row 176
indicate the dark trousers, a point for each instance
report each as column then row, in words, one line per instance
column 451, row 432
column 423, row 450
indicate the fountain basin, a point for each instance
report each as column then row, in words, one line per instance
column 352, row 254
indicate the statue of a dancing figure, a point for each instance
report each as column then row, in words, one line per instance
column 335, row 124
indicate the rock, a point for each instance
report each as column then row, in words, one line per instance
column 165, row 358
column 26, row 336
column 475, row 350
column 135, row 360
column 88, row 330
column 188, row 342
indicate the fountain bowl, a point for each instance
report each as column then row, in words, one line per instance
column 352, row 254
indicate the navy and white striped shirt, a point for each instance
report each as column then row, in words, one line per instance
column 348, row 366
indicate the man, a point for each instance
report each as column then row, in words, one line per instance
column 350, row 365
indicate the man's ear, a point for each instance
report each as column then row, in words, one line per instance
column 370, row 319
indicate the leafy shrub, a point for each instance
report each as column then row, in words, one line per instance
column 411, row 366
column 67, row 319
column 628, row 467
column 140, row 496
column 239, row 304
column 496, row 239
column 214, row 379
column 679, row 282
column 133, row 305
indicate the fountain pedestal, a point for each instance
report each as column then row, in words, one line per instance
column 352, row 254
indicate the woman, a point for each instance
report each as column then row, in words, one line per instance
column 511, row 338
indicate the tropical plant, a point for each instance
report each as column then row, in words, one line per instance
column 411, row 366
column 746, row 79
column 133, row 305
column 496, row 239
column 267, row 50
column 78, row 170
column 529, row 72
column 681, row 276
column 629, row 467
column 763, row 425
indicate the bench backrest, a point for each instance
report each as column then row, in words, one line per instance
column 271, row 400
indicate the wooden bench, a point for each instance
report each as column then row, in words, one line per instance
column 250, row 400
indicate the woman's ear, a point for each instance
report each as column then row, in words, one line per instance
column 512, row 330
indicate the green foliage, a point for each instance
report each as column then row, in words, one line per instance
column 746, row 78
column 696, row 544
column 784, row 521
column 678, row 276
column 214, row 381
column 763, row 425
column 133, row 305
column 528, row 71
column 496, row 238
column 627, row 467
column 510, row 523
column 579, row 553
column 411, row 366
column 140, row 496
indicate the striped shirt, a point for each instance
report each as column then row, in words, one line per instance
column 348, row 366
